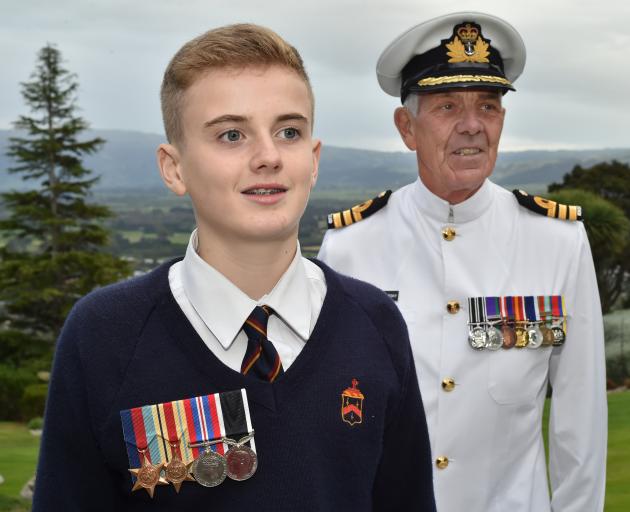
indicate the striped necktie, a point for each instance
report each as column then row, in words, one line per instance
column 261, row 358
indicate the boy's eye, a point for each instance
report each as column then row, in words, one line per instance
column 231, row 136
column 289, row 133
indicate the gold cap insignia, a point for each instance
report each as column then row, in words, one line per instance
column 467, row 45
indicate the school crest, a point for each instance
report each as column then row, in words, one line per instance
column 352, row 404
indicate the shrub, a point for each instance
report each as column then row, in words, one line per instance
column 35, row 423
column 618, row 368
column 13, row 382
column 34, row 400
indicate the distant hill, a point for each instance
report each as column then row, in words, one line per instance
column 127, row 161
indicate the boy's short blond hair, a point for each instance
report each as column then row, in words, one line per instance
column 233, row 46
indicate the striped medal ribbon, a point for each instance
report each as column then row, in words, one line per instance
column 494, row 339
column 477, row 336
column 173, row 436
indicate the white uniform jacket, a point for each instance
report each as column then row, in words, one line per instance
column 487, row 428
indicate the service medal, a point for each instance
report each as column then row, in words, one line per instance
column 509, row 336
column 242, row 462
column 521, row 336
column 534, row 336
column 547, row 335
column 210, row 469
column 558, row 335
column 494, row 338
column 177, row 471
column 148, row 476
column 477, row 337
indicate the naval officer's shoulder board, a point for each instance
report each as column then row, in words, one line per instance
column 358, row 212
column 548, row 207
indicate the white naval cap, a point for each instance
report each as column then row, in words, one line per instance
column 463, row 49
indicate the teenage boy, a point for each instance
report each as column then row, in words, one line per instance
column 243, row 359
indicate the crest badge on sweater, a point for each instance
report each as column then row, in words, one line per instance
column 352, row 404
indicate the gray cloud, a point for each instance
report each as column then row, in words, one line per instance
column 573, row 92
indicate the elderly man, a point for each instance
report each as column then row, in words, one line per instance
column 499, row 300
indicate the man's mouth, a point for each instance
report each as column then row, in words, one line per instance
column 467, row 151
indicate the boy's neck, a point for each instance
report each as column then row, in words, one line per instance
column 253, row 267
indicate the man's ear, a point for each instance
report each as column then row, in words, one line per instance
column 317, row 149
column 404, row 121
column 168, row 161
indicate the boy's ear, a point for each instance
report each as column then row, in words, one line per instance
column 170, row 169
column 317, row 149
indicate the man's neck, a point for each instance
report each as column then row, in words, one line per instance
column 254, row 267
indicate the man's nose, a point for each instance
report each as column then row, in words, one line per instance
column 470, row 122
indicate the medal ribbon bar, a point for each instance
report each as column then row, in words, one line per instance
column 150, row 430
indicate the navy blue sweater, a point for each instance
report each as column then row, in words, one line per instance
column 129, row 345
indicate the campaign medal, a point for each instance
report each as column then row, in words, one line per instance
column 558, row 335
column 477, row 333
column 532, row 313
column 242, row 461
column 534, row 336
column 519, row 315
column 506, row 310
column 557, row 312
column 494, row 338
column 182, row 434
column 547, row 335
column 177, row 471
column 149, row 475
column 210, row 468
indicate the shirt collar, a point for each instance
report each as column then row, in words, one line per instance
column 223, row 307
column 438, row 208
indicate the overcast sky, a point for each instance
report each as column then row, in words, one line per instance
column 574, row 92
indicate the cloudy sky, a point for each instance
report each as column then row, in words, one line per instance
column 574, row 93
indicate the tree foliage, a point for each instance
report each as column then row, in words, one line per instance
column 608, row 228
column 54, row 237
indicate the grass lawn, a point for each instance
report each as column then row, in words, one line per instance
column 618, row 464
column 18, row 457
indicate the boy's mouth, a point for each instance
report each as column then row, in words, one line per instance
column 263, row 191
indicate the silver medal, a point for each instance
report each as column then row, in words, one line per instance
column 477, row 338
column 494, row 338
column 210, row 469
column 558, row 335
column 534, row 336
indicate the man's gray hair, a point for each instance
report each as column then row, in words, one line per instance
column 411, row 104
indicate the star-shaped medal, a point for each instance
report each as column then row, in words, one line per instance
column 178, row 471
column 148, row 476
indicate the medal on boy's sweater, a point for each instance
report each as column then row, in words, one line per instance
column 242, row 461
column 177, row 471
column 210, row 469
column 167, row 442
column 147, row 476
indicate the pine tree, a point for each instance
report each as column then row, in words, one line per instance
column 55, row 248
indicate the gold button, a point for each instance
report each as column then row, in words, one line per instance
column 448, row 233
column 448, row 384
column 452, row 306
column 441, row 462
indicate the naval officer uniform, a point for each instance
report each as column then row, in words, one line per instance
column 484, row 406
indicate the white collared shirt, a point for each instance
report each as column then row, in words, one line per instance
column 217, row 308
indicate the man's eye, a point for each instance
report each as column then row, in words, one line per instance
column 447, row 106
column 231, row 136
column 488, row 106
column 289, row 133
